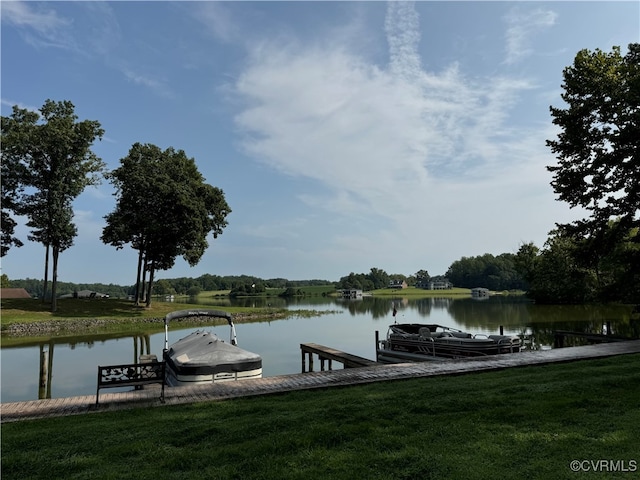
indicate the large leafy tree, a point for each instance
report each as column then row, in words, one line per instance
column 598, row 147
column 11, row 187
column 51, row 157
column 15, row 138
column 555, row 273
column 164, row 209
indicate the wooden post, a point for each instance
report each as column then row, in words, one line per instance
column 558, row 341
column 50, row 368
column 303, row 362
column 44, row 362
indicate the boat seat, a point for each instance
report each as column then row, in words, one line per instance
column 461, row 334
column 425, row 332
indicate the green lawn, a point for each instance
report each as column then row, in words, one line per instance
column 516, row 423
column 21, row 310
column 421, row 292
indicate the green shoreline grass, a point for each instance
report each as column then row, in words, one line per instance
column 20, row 310
column 516, row 423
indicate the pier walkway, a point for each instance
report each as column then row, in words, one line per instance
column 150, row 397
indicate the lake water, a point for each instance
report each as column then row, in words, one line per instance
column 72, row 361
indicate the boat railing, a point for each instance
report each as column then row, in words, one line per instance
column 198, row 313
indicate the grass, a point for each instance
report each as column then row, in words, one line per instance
column 516, row 423
column 421, row 292
column 21, row 310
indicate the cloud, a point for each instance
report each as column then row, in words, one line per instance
column 10, row 104
column 160, row 87
column 403, row 36
column 103, row 34
column 376, row 137
column 405, row 153
column 521, row 26
column 41, row 27
column 217, row 18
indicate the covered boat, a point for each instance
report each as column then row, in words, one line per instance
column 203, row 357
column 416, row 342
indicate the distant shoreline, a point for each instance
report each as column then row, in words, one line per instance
column 47, row 327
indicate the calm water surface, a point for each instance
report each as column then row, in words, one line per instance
column 73, row 361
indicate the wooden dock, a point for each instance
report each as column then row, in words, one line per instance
column 561, row 337
column 148, row 397
column 330, row 355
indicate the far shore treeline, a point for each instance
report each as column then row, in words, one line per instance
column 493, row 272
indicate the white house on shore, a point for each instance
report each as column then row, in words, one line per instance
column 436, row 283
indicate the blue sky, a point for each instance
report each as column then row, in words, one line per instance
column 346, row 136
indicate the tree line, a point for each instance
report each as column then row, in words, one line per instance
column 168, row 286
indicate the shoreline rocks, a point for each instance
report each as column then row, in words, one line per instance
column 89, row 325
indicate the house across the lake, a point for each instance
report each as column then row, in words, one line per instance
column 436, row 283
column 399, row 284
column 14, row 293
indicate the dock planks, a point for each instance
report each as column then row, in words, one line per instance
column 148, row 397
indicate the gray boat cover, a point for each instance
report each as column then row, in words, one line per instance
column 203, row 353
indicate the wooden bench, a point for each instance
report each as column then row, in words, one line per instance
column 131, row 375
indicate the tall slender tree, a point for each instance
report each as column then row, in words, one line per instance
column 164, row 210
column 52, row 149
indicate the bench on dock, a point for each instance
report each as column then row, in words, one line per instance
column 131, row 375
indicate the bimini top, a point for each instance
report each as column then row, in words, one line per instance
column 197, row 313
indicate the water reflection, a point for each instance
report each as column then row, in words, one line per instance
column 31, row 370
column 45, row 350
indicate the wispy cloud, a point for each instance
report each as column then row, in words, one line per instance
column 217, row 19
column 97, row 36
column 403, row 34
column 371, row 134
column 10, row 104
column 103, row 34
column 522, row 25
column 390, row 141
column 40, row 26
column 159, row 86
